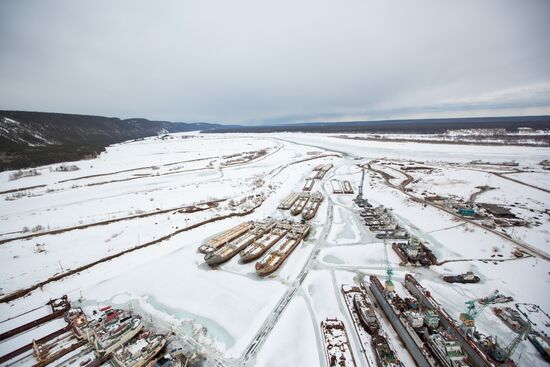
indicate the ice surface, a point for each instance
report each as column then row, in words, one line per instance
column 225, row 309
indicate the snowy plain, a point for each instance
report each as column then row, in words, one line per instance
column 225, row 309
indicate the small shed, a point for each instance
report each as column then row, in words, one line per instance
column 497, row 211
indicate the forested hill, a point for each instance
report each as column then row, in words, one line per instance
column 30, row 139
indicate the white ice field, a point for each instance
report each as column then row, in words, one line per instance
column 134, row 192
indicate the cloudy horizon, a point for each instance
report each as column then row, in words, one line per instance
column 248, row 62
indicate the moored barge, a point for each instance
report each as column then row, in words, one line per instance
column 275, row 258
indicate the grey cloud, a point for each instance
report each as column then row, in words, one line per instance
column 256, row 61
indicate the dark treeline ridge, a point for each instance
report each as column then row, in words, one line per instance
column 29, row 139
column 417, row 126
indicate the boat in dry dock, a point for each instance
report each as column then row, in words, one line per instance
column 300, row 203
column 337, row 346
column 366, row 313
column 313, row 205
column 226, row 252
column 273, row 260
column 109, row 334
column 140, row 351
column 385, row 355
column 225, row 237
column 264, row 243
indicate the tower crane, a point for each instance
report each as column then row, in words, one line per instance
column 359, row 197
column 468, row 317
column 389, row 271
column 502, row 353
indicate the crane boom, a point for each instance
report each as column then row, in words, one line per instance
column 359, row 197
column 389, row 271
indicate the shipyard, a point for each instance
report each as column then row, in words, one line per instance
column 105, row 337
column 275, row 184
column 379, row 260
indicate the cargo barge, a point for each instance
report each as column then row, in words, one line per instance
column 348, row 189
column 308, row 185
column 336, row 186
column 264, row 243
column 321, row 170
column 139, row 352
column 275, row 258
column 312, row 206
column 300, row 203
column 227, row 252
column 289, row 200
column 337, row 347
column 225, row 237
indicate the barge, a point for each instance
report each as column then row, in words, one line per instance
column 275, row 258
column 337, row 347
column 300, row 203
column 289, row 200
column 227, row 252
column 348, row 189
column 264, row 243
column 312, row 206
column 336, row 186
column 225, row 237
column 308, row 185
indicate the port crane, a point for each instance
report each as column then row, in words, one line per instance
column 359, row 197
column 389, row 271
column 468, row 317
column 502, row 353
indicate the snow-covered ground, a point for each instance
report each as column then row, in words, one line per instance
column 140, row 188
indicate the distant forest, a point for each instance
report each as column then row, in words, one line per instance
column 419, row 126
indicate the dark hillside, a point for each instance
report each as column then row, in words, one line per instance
column 30, row 139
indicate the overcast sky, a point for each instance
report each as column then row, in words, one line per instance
column 276, row 61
